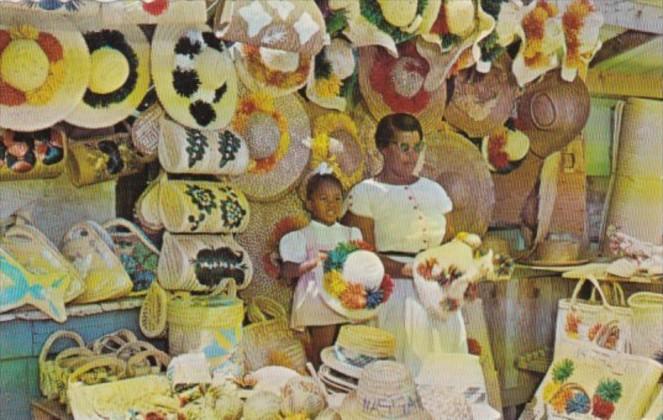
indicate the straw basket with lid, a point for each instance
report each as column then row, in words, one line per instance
column 44, row 70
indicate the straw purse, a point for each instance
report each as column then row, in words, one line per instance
column 153, row 316
column 90, row 248
column 102, row 158
column 146, row 211
column 202, row 207
column 200, row 263
column 52, row 376
column 647, row 324
column 36, row 155
column 145, row 132
column 187, row 151
column 138, row 254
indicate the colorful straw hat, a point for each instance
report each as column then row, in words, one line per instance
column 504, row 149
column 44, row 70
column 274, row 130
column 332, row 75
column 275, row 72
column 385, row 390
column 295, row 26
column 581, row 23
column 413, row 83
column 194, row 76
column 119, row 77
column 480, row 103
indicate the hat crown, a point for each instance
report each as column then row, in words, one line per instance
column 262, row 136
column 110, row 70
column 460, row 16
column 279, row 60
column 24, row 65
column 398, row 13
column 367, row 340
column 209, row 64
column 406, row 78
column 365, row 268
column 387, row 389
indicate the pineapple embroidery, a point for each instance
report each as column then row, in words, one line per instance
column 560, row 373
column 608, row 392
column 566, row 397
column 196, row 148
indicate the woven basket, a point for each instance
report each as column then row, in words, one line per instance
column 145, row 132
column 148, row 362
column 53, row 378
column 113, row 342
column 146, row 211
column 647, row 324
column 153, row 317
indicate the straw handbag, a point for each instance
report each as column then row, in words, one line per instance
column 102, row 158
column 202, row 207
column 113, row 342
column 36, row 155
column 153, row 316
column 138, row 254
column 91, row 250
column 647, row 324
column 53, row 377
column 146, row 211
column 200, row 263
column 145, row 132
column 208, row 324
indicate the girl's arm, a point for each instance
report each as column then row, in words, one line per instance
column 367, row 227
column 291, row 271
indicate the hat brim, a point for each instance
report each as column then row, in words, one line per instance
column 76, row 65
column 176, row 105
column 88, row 116
column 351, row 408
column 328, row 357
column 353, row 314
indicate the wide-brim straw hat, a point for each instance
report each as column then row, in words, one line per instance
column 455, row 163
column 334, row 67
column 156, row 12
column 296, row 26
column 275, row 130
column 385, row 390
column 552, row 112
column 44, row 72
column 413, row 82
column 194, row 76
column 287, row 73
column 504, row 150
column 480, row 103
column 512, row 192
column 119, row 77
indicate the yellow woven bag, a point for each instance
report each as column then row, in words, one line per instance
column 53, row 377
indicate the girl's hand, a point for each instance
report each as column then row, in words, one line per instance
column 308, row 265
column 406, row 270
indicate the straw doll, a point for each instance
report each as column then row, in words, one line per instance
column 302, row 252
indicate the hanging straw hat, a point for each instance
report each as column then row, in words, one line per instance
column 275, row 72
column 386, row 390
column 274, row 130
column 412, row 83
column 154, row 12
column 44, row 70
column 119, row 78
column 504, row 149
column 581, row 23
column 456, row 164
column 480, row 103
column 194, row 76
column 73, row 9
column 295, row 26
column 552, row 112
column 331, row 79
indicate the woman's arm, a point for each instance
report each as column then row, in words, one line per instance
column 367, row 227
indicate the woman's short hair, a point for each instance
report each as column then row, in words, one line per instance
column 391, row 123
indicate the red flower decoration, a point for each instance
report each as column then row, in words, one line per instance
column 387, row 287
column 156, row 7
column 354, row 297
column 11, row 96
column 362, row 245
column 474, row 347
column 51, row 46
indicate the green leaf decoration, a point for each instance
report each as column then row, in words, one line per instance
column 563, row 370
column 323, row 68
column 337, row 22
column 492, row 7
column 228, row 146
column 490, row 49
column 370, row 9
column 196, row 148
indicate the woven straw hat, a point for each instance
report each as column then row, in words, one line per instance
column 302, row 394
column 386, row 390
column 274, row 130
column 194, row 76
column 73, row 9
column 412, row 83
column 276, row 72
column 357, row 346
column 553, row 112
column 456, row 164
column 296, row 26
column 119, row 77
column 334, row 67
column 480, row 103
column 504, row 149
column 44, row 70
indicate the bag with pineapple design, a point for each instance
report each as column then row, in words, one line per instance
column 605, row 325
column 589, row 382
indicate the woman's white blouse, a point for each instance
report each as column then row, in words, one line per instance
column 407, row 218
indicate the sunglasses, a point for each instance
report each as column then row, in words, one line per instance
column 405, row 147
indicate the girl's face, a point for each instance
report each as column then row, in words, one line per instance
column 326, row 202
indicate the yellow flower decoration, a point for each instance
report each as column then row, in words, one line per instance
column 328, row 88
column 24, row 32
column 334, row 283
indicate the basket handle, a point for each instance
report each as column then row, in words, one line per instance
column 617, row 295
column 132, row 348
column 136, row 361
column 64, row 334
column 119, row 337
column 116, row 365
column 227, row 287
column 70, row 354
column 597, row 286
column 262, row 307
column 120, row 225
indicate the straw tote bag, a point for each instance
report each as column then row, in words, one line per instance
column 647, row 324
column 604, row 325
column 53, row 377
column 201, row 263
column 35, row 155
column 202, row 207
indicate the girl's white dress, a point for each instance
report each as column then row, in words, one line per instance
column 408, row 219
column 308, row 308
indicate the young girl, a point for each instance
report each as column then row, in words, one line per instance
column 303, row 251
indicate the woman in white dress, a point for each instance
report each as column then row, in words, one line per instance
column 402, row 214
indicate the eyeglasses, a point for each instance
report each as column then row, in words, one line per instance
column 406, row 147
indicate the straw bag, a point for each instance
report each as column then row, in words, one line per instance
column 655, row 411
column 146, row 211
column 36, row 155
column 184, row 150
column 32, row 248
column 91, row 250
column 200, row 263
column 605, row 325
column 208, row 324
column 647, row 324
column 138, row 254
column 145, row 132
column 113, row 342
column 101, row 159
column 53, row 377
column 202, row 207
column 153, row 316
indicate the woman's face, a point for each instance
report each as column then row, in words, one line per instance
column 401, row 155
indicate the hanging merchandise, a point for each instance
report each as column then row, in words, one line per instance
column 581, row 23
column 153, row 316
column 112, row 96
column 91, row 250
column 146, row 210
column 53, row 374
column 185, row 150
column 194, row 76
column 504, row 150
column 44, row 72
column 72, row 9
column 332, row 82
column 32, row 155
column 202, row 207
column 146, row 132
column 647, row 324
column 154, row 12
column 202, row 263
